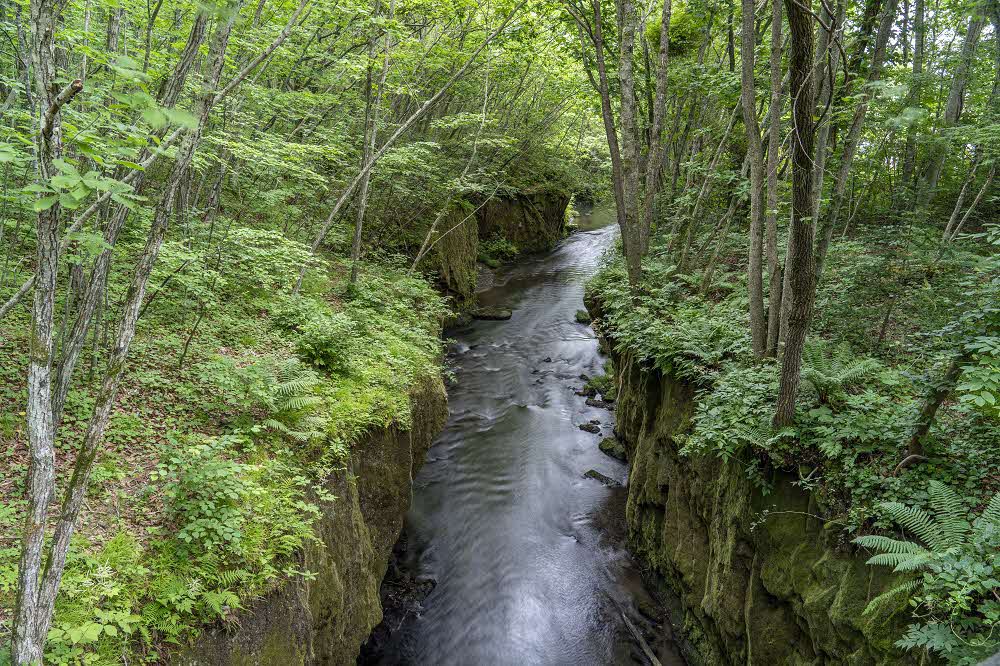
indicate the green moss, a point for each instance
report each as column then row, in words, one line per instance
column 778, row 592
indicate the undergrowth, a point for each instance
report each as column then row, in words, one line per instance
column 883, row 332
column 240, row 400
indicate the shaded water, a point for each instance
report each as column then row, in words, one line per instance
column 526, row 553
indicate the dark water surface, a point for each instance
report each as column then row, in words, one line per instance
column 526, row 553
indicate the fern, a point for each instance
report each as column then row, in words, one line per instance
column 991, row 514
column 881, row 601
column 956, row 587
column 833, row 370
column 291, row 402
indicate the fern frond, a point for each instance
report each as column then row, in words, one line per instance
column 991, row 513
column 274, row 424
column 858, row 371
column 915, row 520
column 888, row 545
column 883, row 599
column 299, row 402
column 950, row 515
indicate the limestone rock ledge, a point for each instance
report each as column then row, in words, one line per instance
column 326, row 620
column 749, row 588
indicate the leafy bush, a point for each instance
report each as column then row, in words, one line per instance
column 328, row 342
column 831, row 370
column 688, row 337
column 497, row 250
column 206, row 494
column 954, row 579
column 259, row 261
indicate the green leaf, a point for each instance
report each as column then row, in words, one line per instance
column 154, row 117
column 179, row 117
column 45, row 203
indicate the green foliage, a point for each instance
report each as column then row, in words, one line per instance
column 496, row 250
column 954, row 580
column 604, row 383
column 831, row 370
column 689, row 337
column 260, row 261
column 206, row 493
column 327, row 341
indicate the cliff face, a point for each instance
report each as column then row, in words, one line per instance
column 759, row 578
column 454, row 256
column 534, row 222
column 326, row 619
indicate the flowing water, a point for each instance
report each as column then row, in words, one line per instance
column 525, row 552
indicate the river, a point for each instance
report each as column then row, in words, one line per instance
column 525, row 553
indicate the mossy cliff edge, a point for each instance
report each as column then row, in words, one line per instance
column 758, row 578
column 326, row 619
column 532, row 222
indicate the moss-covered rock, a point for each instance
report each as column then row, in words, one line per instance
column 612, row 447
column 454, row 255
column 529, row 222
column 781, row 591
column 326, row 619
column 533, row 221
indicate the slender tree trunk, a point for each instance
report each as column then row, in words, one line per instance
column 853, row 140
column 800, row 261
column 952, row 112
column 657, row 142
column 755, row 156
column 628, row 21
column 409, row 122
column 31, row 623
column 985, row 188
column 910, row 151
column 935, row 396
column 771, row 219
column 827, row 61
column 372, row 112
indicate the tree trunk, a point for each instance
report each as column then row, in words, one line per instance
column 952, row 112
column 829, row 219
column 771, row 219
column 800, row 259
column 755, row 156
column 409, row 122
column 910, row 151
column 31, row 623
column 628, row 20
column 657, row 142
column 937, row 394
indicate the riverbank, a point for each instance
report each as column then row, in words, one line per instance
column 255, row 472
column 754, row 529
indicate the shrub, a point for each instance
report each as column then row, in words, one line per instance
column 206, row 494
column 328, row 342
column 497, row 250
column 954, row 578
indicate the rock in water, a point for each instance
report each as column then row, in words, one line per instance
column 582, row 317
column 612, row 447
column 591, row 428
column 606, row 480
column 603, row 404
column 492, row 314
